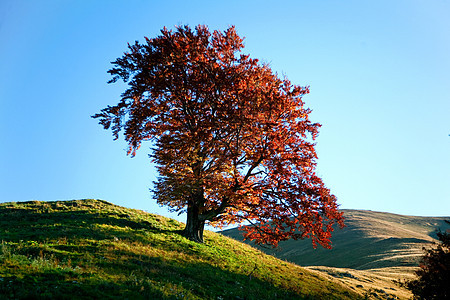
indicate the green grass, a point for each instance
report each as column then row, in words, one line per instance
column 370, row 240
column 91, row 249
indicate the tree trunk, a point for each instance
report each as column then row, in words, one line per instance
column 194, row 226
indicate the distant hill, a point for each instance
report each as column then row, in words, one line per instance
column 370, row 240
column 92, row 249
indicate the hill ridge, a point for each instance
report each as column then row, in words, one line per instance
column 370, row 240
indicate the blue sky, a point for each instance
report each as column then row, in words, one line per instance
column 378, row 72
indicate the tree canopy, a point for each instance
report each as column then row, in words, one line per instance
column 232, row 141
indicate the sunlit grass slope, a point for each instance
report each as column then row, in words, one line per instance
column 92, row 249
column 370, row 240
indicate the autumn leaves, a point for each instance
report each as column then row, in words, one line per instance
column 232, row 141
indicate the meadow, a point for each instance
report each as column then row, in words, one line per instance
column 92, row 249
column 370, row 255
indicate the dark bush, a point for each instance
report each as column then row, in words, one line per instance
column 433, row 277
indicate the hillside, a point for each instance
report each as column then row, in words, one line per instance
column 369, row 255
column 92, row 249
column 370, row 240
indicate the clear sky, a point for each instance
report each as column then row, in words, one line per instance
column 379, row 73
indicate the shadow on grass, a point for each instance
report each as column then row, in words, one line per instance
column 48, row 286
column 25, row 224
column 144, row 277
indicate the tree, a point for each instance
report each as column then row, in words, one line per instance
column 433, row 277
column 232, row 141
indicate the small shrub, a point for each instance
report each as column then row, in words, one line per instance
column 434, row 273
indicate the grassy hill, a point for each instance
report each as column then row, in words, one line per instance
column 370, row 240
column 92, row 249
column 369, row 255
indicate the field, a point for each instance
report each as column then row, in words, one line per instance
column 374, row 250
column 92, row 249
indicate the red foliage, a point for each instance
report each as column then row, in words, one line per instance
column 233, row 142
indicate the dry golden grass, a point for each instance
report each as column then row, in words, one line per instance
column 373, row 283
column 370, row 240
column 385, row 225
column 373, row 251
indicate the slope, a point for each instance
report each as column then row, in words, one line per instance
column 92, row 249
column 369, row 240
